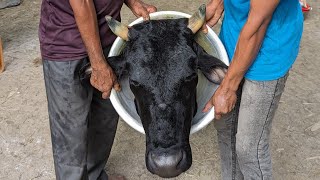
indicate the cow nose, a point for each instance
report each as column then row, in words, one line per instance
column 166, row 165
column 162, row 106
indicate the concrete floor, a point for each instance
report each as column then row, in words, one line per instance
column 25, row 146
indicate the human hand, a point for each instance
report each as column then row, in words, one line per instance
column 103, row 79
column 223, row 101
column 214, row 11
column 140, row 9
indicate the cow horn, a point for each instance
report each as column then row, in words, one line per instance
column 197, row 19
column 117, row 28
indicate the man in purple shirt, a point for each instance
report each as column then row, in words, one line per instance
column 82, row 119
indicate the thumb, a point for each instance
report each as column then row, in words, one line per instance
column 116, row 86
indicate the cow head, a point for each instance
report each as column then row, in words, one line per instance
column 161, row 60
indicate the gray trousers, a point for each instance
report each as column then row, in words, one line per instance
column 82, row 124
column 243, row 134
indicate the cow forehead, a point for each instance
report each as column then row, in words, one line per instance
column 166, row 27
column 161, row 49
column 172, row 65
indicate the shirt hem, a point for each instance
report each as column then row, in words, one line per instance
column 266, row 77
column 73, row 58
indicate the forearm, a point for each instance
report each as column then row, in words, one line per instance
column 86, row 19
column 248, row 46
column 246, row 51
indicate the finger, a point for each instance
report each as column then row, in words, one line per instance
column 217, row 116
column 217, row 112
column 225, row 111
column 116, row 86
column 145, row 14
column 95, row 85
column 204, row 29
column 146, row 18
column 106, row 87
column 207, row 107
column 106, row 95
column 151, row 9
column 213, row 21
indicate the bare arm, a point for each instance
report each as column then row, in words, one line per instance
column 140, row 9
column 102, row 76
column 248, row 46
column 249, row 41
column 86, row 18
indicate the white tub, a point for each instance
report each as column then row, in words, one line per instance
column 123, row 100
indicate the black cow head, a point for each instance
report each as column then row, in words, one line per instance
column 161, row 60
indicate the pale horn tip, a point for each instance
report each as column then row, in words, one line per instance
column 197, row 20
column 202, row 10
column 108, row 19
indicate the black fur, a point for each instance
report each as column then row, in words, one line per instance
column 161, row 60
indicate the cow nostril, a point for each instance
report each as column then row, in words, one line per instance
column 162, row 106
column 166, row 165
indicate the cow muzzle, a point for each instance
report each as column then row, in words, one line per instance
column 167, row 165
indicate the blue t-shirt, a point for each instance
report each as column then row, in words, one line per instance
column 281, row 42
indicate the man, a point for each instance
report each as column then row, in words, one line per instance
column 262, row 41
column 82, row 121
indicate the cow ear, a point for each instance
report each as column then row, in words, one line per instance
column 213, row 68
column 119, row 65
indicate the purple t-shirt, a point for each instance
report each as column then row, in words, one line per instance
column 59, row 36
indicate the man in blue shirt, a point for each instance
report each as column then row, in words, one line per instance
column 262, row 41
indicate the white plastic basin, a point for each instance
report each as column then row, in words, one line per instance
column 123, row 101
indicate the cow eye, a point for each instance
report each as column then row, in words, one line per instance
column 133, row 82
column 191, row 77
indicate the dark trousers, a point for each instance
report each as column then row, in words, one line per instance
column 82, row 124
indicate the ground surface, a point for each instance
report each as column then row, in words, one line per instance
column 25, row 146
